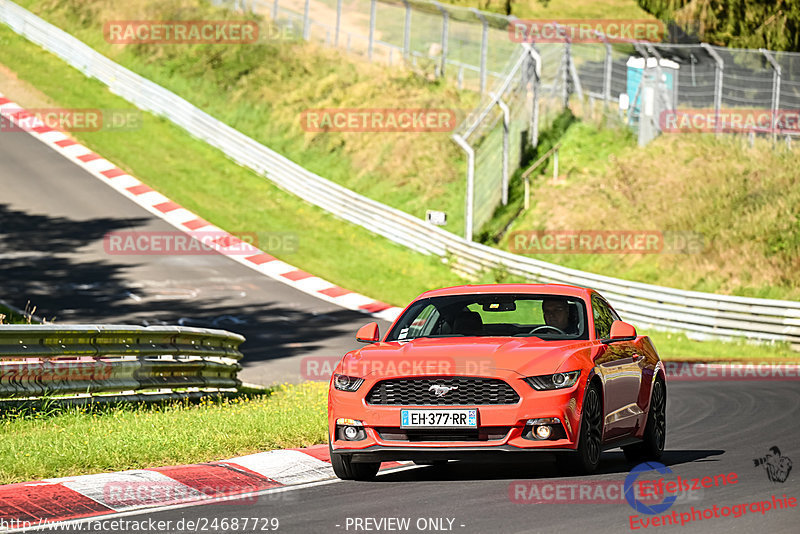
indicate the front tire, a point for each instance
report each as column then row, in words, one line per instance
column 655, row 431
column 586, row 458
column 345, row 469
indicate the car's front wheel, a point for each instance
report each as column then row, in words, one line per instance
column 345, row 469
column 590, row 441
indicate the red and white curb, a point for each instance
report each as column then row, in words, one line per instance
column 188, row 222
column 236, row 482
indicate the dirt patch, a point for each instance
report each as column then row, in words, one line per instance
column 20, row 91
column 353, row 20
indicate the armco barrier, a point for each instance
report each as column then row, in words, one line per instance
column 700, row 314
column 37, row 360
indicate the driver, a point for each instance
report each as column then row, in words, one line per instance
column 556, row 313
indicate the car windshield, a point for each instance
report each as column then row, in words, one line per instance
column 549, row 317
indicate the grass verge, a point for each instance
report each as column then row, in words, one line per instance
column 9, row 316
column 57, row 442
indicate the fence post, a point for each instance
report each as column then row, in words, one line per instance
column 372, row 8
column 470, row 185
column 484, row 45
column 718, row 72
column 338, row 21
column 445, row 26
column 537, row 73
column 658, row 93
column 407, row 30
column 306, row 21
column 606, row 72
column 275, row 11
column 506, row 128
column 565, row 81
column 555, row 166
column 776, row 90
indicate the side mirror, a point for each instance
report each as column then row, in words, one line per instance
column 368, row 333
column 621, row 331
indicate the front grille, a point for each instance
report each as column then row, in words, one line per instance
column 471, row 391
column 487, row 433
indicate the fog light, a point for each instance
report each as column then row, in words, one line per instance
column 543, row 432
column 350, row 432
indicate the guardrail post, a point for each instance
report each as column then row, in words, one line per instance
column 338, row 22
column 506, row 128
column 445, row 27
column 776, row 90
column 407, row 30
column 484, row 45
column 718, row 80
column 372, row 12
column 306, row 21
column 470, row 185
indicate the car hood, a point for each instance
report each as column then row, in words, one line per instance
column 476, row 356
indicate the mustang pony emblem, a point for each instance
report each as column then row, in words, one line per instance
column 441, row 391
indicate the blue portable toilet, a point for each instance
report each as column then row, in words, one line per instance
column 638, row 72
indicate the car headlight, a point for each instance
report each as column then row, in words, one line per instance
column 347, row 383
column 554, row 381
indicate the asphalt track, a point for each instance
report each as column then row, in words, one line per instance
column 53, row 216
column 714, row 428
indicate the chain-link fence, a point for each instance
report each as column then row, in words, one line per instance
column 468, row 45
column 655, row 87
column 696, row 88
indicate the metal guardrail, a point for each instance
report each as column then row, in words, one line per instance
column 51, row 359
column 699, row 314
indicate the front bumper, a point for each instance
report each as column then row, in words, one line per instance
column 501, row 428
column 380, row 453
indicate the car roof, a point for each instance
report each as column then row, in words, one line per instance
column 534, row 289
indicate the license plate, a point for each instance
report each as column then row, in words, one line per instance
column 438, row 418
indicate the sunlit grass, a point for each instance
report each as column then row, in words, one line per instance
column 52, row 441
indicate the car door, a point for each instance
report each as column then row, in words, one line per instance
column 619, row 364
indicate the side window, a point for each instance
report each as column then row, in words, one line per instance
column 422, row 325
column 603, row 317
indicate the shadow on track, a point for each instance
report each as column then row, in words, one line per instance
column 58, row 264
column 539, row 467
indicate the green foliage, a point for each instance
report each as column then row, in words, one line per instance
column 771, row 24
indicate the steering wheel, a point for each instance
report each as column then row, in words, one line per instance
column 545, row 326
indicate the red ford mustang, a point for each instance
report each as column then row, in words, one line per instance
column 473, row 372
